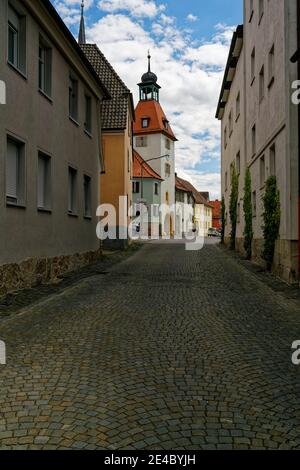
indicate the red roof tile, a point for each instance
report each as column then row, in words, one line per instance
column 183, row 185
column 138, row 163
column 158, row 121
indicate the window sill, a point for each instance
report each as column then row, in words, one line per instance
column 88, row 217
column 238, row 117
column 15, row 205
column 74, row 121
column 252, row 81
column 44, row 210
column 251, row 16
column 20, row 72
column 260, row 19
column 48, row 98
column 73, row 214
column 88, row 133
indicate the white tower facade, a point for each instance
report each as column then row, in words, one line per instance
column 155, row 141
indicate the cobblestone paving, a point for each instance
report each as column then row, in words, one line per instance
column 169, row 350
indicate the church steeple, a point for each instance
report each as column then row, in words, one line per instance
column 149, row 88
column 81, row 36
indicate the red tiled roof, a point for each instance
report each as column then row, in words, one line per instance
column 138, row 163
column 186, row 186
column 158, row 121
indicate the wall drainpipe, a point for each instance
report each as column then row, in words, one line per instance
column 298, row 48
column 296, row 58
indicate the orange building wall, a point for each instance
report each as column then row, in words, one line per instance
column 116, row 181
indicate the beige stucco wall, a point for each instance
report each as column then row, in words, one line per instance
column 45, row 125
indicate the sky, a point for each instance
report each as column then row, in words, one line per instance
column 189, row 42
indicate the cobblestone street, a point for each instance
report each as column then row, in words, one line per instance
column 167, row 350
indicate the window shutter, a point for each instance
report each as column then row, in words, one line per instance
column 12, row 170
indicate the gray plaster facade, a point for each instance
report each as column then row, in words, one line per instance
column 37, row 120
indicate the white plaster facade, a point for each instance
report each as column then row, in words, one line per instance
column 156, row 146
column 264, row 132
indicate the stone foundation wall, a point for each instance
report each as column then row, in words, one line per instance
column 285, row 264
column 32, row 272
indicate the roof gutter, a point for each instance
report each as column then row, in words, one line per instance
column 233, row 58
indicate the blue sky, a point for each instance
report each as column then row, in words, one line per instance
column 189, row 43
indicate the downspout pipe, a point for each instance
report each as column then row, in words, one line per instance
column 298, row 47
column 296, row 58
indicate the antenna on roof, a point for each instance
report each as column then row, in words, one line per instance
column 149, row 61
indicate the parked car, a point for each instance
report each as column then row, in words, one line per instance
column 213, row 232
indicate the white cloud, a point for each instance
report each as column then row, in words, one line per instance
column 136, row 8
column 190, row 75
column 192, row 17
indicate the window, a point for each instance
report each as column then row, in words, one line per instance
column 238, row 163
column 225, row 137
column 88, row 114
column 251, row 10
column 271, row 65
column 73, row 98
column 253, row 138
column 226, row 181
column 156, row 189
column 128, row 162
column 262, row 171
column 141, row 141
column 44, row 182
column 230, row 124
column 165, row 123
column 238, row 106
column 45, row 68
column 168, row 144
column 16, row 39
column 87, row 190
column 136, row 187
column 261, row 8
column 239, row 212
column 72, row 188
column 254, row 203
column 262, row 83
column 167, row 170
column 253, row 65
column 273, row 160
column 15, row 173
column 145, row 123
column 155, row 210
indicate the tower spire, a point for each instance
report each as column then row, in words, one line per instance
column 149, row 61
column 81, row 37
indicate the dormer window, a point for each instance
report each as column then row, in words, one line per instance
column 145, row 123
column 166, row 123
